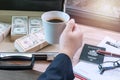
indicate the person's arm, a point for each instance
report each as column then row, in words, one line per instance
column 61, row 67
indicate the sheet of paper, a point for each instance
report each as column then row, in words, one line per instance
column 91, row 71
column 111, row 45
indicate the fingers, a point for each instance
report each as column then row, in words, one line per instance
column 70, row 25
column 77, row 28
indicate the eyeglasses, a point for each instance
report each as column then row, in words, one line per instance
column 108, row 65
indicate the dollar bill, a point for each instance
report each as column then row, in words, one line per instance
column 3, row 27
column 19, row 26
column 19, row 30
column 4, row 30
column 35, row 24
column 31, row 42
column 19, row 22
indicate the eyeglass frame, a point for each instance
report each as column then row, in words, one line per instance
column 116, row 64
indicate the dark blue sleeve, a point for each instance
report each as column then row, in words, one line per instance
column 59, row 69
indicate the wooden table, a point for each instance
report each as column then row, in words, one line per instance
column 92, row 35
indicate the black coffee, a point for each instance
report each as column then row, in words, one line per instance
column 55, row 20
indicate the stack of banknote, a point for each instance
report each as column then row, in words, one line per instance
column 35, row 24
column 31, row 42
column 4, row 30
column 23, row 25
column 19, row 27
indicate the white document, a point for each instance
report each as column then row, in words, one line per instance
column 111, row 45
column 91, row 71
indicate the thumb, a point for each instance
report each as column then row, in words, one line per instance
column 70, row 25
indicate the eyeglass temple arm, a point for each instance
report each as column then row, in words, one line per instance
column 106, row 68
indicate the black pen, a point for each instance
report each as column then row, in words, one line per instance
column 108, row 53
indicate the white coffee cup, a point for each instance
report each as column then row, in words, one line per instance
column 52, row 28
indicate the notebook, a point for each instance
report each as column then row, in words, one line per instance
column 86, row 70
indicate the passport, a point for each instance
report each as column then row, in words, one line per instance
column 89, row 54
